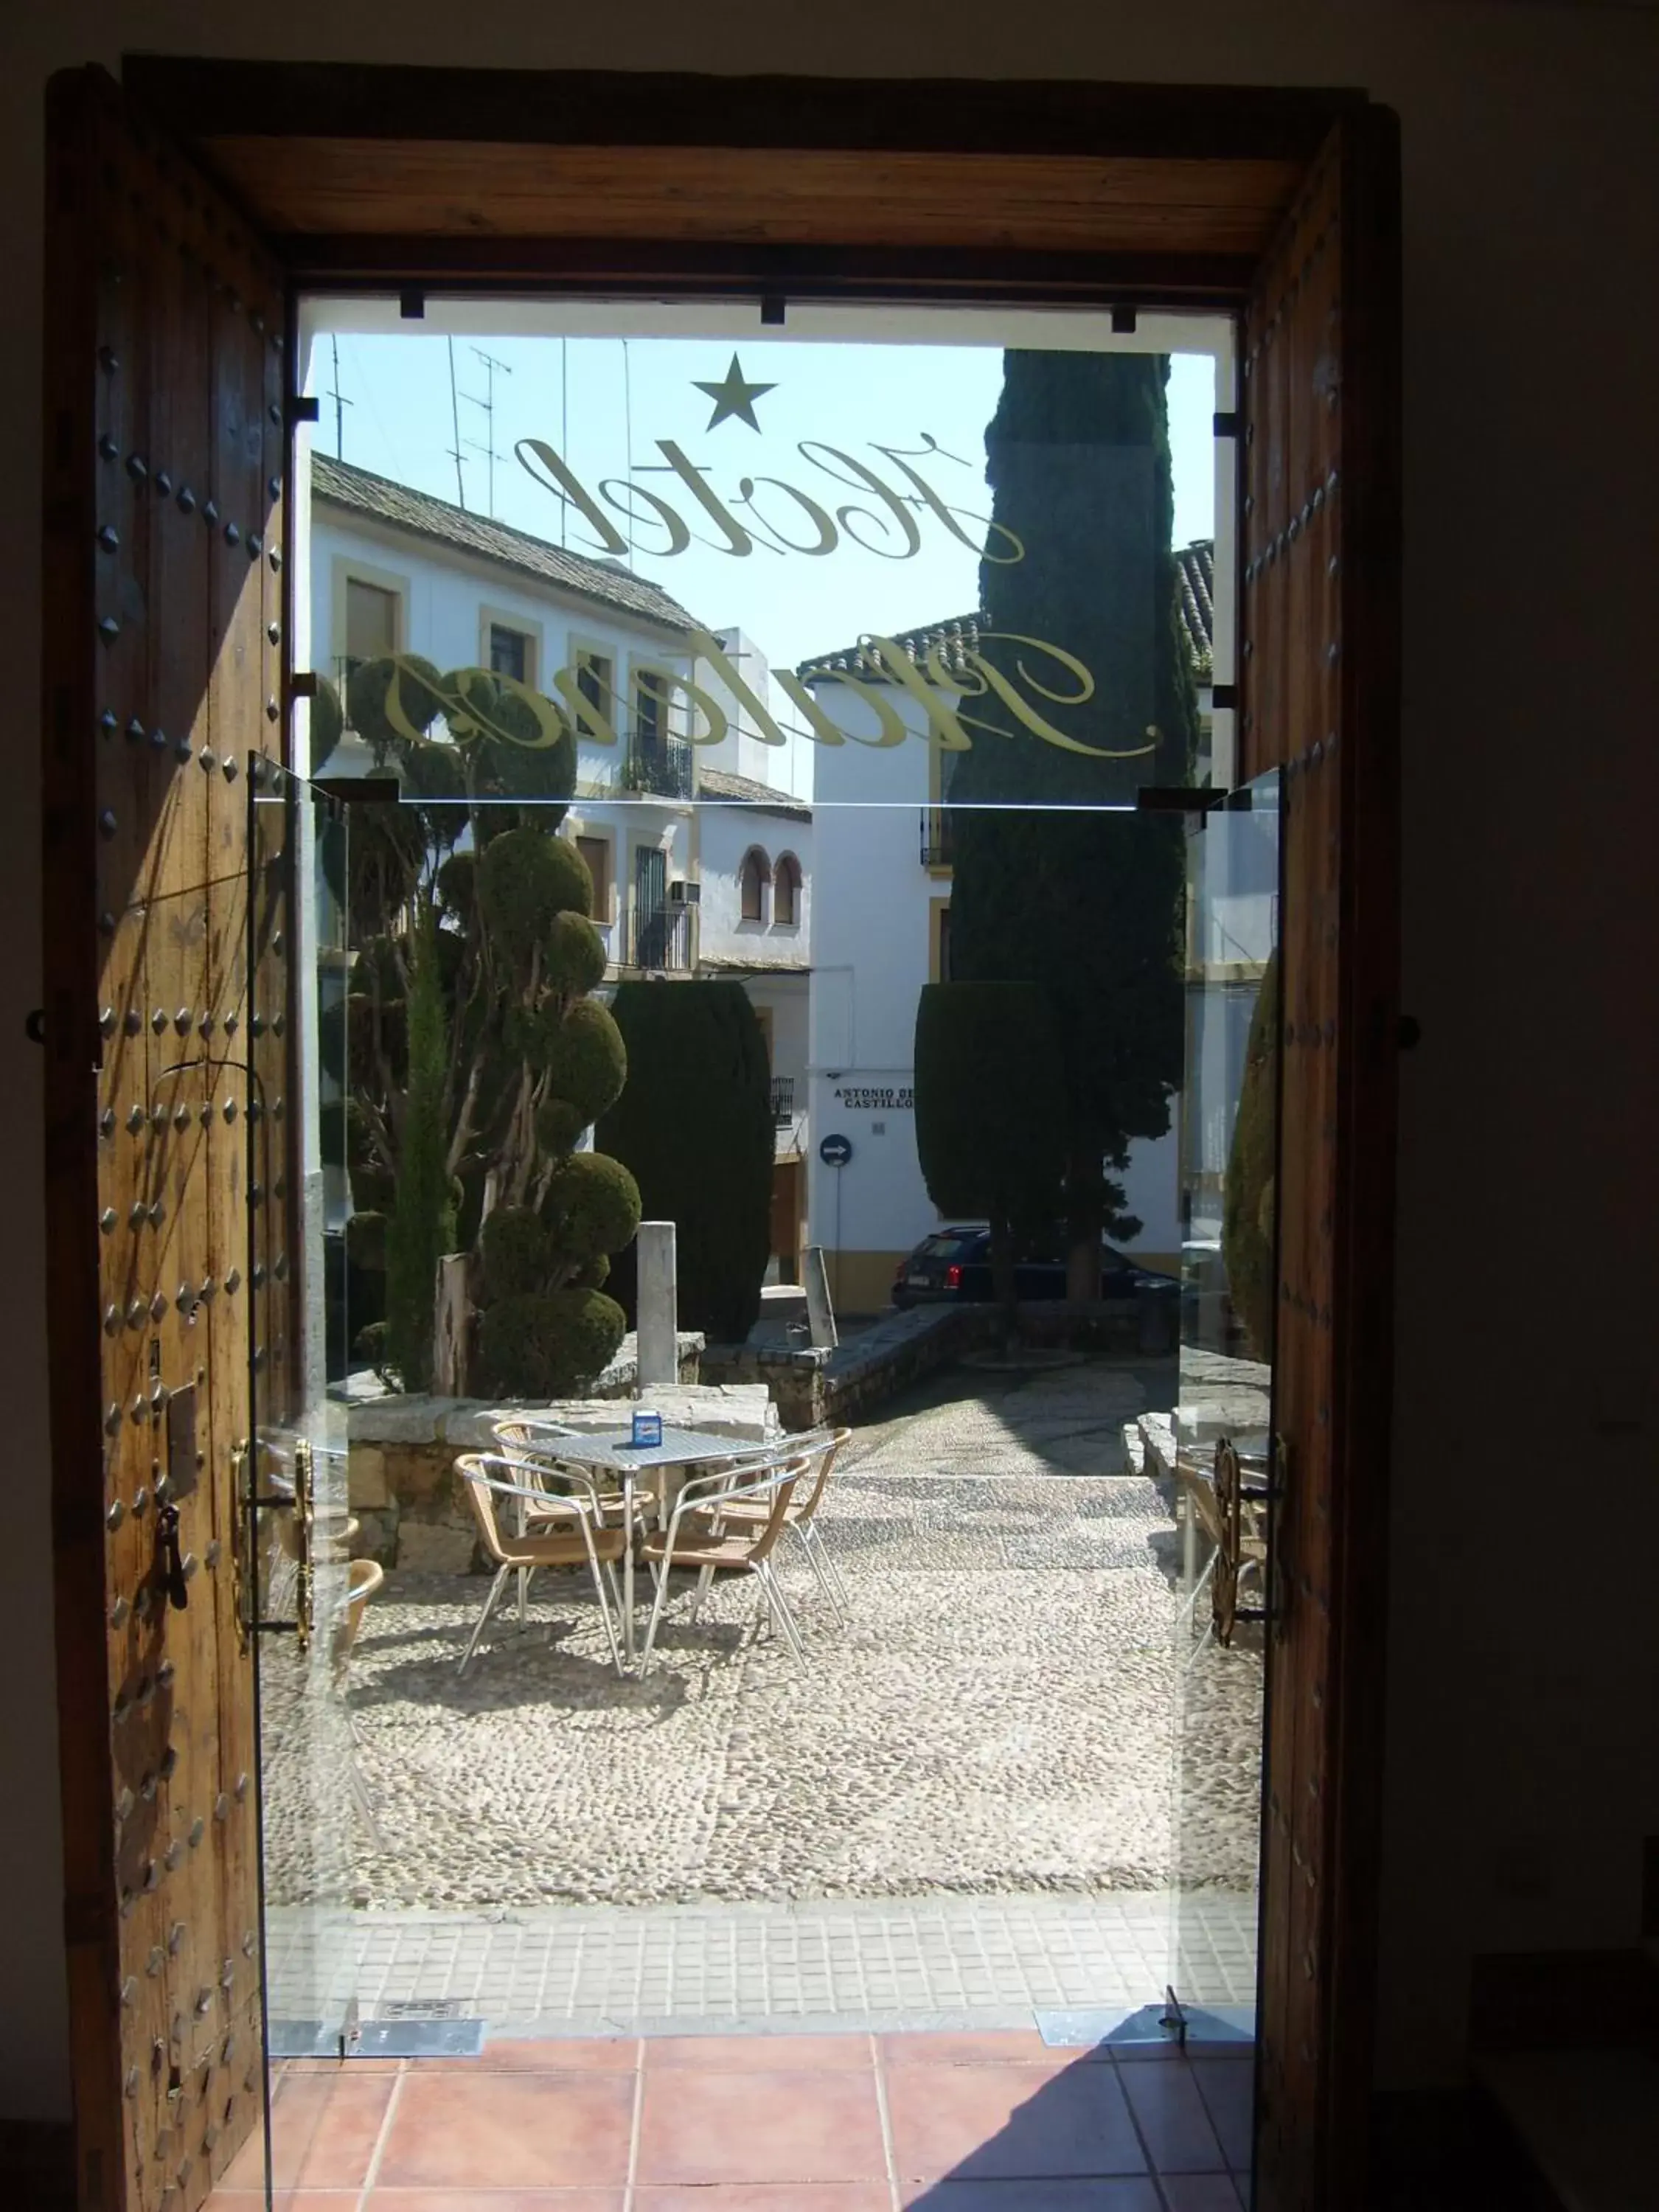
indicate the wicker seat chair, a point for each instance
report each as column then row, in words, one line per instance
column 800, row 1518
column 567, row 1530
column 707, row 1530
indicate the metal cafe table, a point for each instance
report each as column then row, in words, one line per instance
column 614, row 1452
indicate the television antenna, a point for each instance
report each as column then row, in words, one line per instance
column 455, row 429
column 341, row 402
column 486, row 445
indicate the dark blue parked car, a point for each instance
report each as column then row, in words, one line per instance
column 954, row 1266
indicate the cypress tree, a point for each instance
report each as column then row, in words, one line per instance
column 694, row 1126
column 1082, row 900
column 421, row 1226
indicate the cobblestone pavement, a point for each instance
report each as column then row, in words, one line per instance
column 1011, row 1708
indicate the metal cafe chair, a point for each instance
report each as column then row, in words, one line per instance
column 801, row 1516
column 535, row 1445
column 582, row 1538
column 704, row 1531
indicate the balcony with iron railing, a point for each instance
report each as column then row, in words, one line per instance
column 938, row 838
column 783, row 1100
column 661, row 766
column 659, row 937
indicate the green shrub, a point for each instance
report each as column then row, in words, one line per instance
column 346, row 1037
column 558, row 1125
column 458, row 884
column 525, row 880
column 592, row 1207
column 573, row 955
column 694, row 1126
column 365, row 1241
column 327, row 724
column 588, row 1063
column 1247, row 1206
column 368, row 689
column 548, row 1345
column 517, row 1252
column 373, row 1187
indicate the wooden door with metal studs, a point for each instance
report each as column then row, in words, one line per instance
column 165, row 449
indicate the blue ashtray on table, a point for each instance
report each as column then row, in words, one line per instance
column 646, row 1431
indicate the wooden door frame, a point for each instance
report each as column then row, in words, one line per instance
column 1126, row 197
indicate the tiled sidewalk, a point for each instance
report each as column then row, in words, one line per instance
column 848, row 2123
column 883, row 1963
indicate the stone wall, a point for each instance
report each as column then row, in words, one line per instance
column 811, row 1387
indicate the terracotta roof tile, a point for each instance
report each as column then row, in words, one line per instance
column 1195, row 605
column 422, row 516
column 720, row 783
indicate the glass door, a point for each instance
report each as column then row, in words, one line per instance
column 1224, row 1462
column 307, row 1593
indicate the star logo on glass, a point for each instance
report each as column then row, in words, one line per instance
column 734, row 397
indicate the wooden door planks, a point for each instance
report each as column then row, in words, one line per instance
column 1316, row 687
column 156, row 663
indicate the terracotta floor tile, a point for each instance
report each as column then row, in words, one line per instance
column 1202, row 2192
column 360, row 2066
column 246, row 2171
column 286, row 2200
column 554, row 2054
column 766, row 2054
column 496, row 2200
column 1228, row 2088
column 1000, row 2123
column 1172, row 2119
column 483, row 2131
column 324, row 2130
column 755, row 2126
column 1052, row 2196
column 767, row 2197
column 1021, row 2046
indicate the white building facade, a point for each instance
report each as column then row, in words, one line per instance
column 882, row 931
column 700, row 852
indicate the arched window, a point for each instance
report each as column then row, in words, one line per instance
column 752, row 878
column 786, row 890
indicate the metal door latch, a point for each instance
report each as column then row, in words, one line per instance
column 169, row 1560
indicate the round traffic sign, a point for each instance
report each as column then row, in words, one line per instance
column 836, row 1152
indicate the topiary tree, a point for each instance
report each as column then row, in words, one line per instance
column 990, row 1149
column 694, row 1127
column 1247, row 1204
column 475, row 1057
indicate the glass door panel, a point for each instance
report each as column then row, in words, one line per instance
column 1222, row 1426
column 839, row 661
column 297, row 1504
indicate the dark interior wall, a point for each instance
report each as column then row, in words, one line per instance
column 1522, row 1665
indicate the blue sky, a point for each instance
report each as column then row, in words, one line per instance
column 604, row 405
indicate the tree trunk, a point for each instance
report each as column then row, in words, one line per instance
column 449, row 1347
column 1085, row 1187
column 1002, row 1273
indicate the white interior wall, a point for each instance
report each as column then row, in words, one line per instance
column 1521, row 1667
